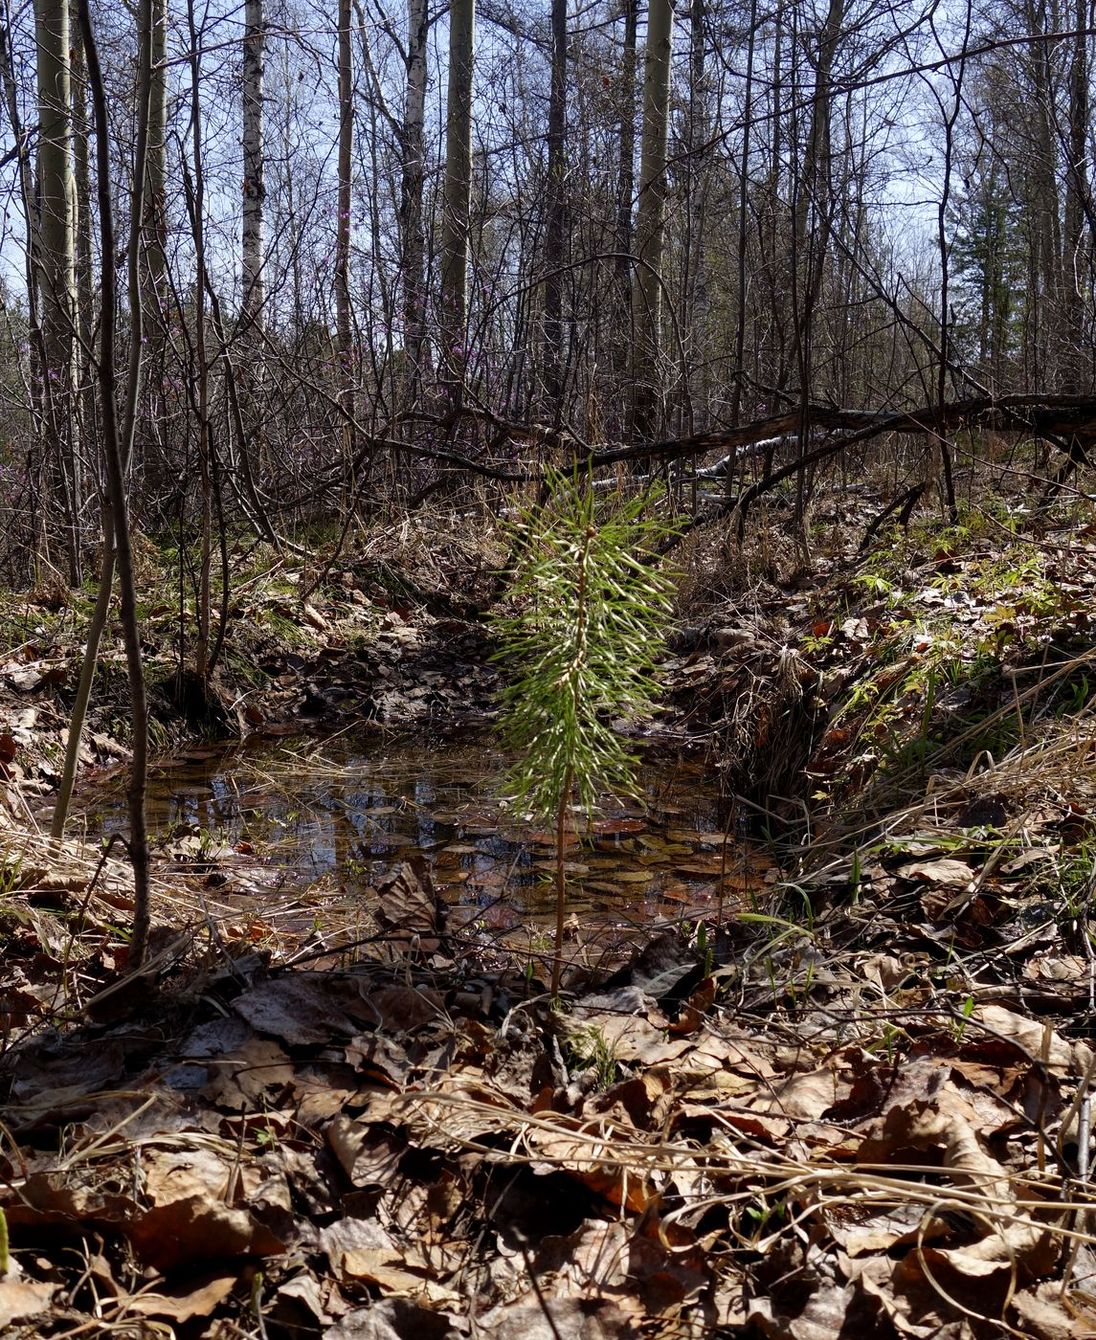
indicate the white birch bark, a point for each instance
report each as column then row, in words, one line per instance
column 155, row 221
column 253, row 239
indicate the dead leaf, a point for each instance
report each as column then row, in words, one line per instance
column 824, row 1316
column 590, row 1158
column 360, row 1251
column 250, row 1074
column 628, row 1038
column 409, row 910
column 805, row 1096
column 199, row 1229
column 1041, row 1313
column 313, row 616
column 577, row 1319
column 21, row 1299
column 944, row 871
column 305, row 1009
column 404, row 1009
column 184, row 1303
column 1039, row 1042
column 369, row 1155
column 396, row 1319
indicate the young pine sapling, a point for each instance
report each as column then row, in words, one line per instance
column 590, row 608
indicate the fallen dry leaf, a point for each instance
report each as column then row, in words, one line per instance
column 183, row 1303
column 23, row 1299
column 947, row 871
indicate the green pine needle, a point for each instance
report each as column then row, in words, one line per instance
column 581, row 648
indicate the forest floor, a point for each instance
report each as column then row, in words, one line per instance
column 850, row 1097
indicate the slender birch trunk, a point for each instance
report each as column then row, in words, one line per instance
column 343, row 315
column 155, row 220
column 626, row 176
column 623, row 341
column 254, row 233
column 742, row 308
column 55, row 256
column 117, row 438
column 651, row 219
column 252, row 313
column 81, row 165
column 691, row 301
column 1077, row 258
column 412, row 187
column 555, row 228
column 458, row 190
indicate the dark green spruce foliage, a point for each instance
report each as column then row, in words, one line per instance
column 590, row 614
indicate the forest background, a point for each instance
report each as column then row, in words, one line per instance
column 374, row 239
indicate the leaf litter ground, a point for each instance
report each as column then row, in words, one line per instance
column 860, row 1106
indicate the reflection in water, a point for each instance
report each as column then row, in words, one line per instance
column 348, row 810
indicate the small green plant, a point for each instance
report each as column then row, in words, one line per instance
column 966, row 1011
column 590, row 613
column 891, row 1041
column 9, row 875
column 874, row 583
column 704, row 948
column 856, row 877
column 589, row 1048
column 759, row 1218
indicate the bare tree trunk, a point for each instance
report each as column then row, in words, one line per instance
column 1077, row 258
column 148, row 441
column 743, row 224
column 54, row 252
column 22, row 138
column 458, row 189
column 783, row 70
column 555, row 227
column 944, row 249
column 155, row 221
column 626, row 181
column 812, row 226
column 254, row 231
column 117, row 436
column 412, row 185
column 343, row 317
column 252, row 315
column 651, row 219
column 1044, row 203
column 251, row 449
column 81, row 164
column 692, row 242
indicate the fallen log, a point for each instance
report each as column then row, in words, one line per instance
column 1068, row 421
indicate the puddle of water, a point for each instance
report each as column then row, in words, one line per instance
column 344, row 811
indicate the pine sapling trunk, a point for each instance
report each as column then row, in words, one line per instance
column 561, row 874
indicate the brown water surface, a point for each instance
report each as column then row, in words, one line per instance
column 343, row 811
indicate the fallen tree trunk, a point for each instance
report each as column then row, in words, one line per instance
column 1065, row 420
column 1068, row 422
